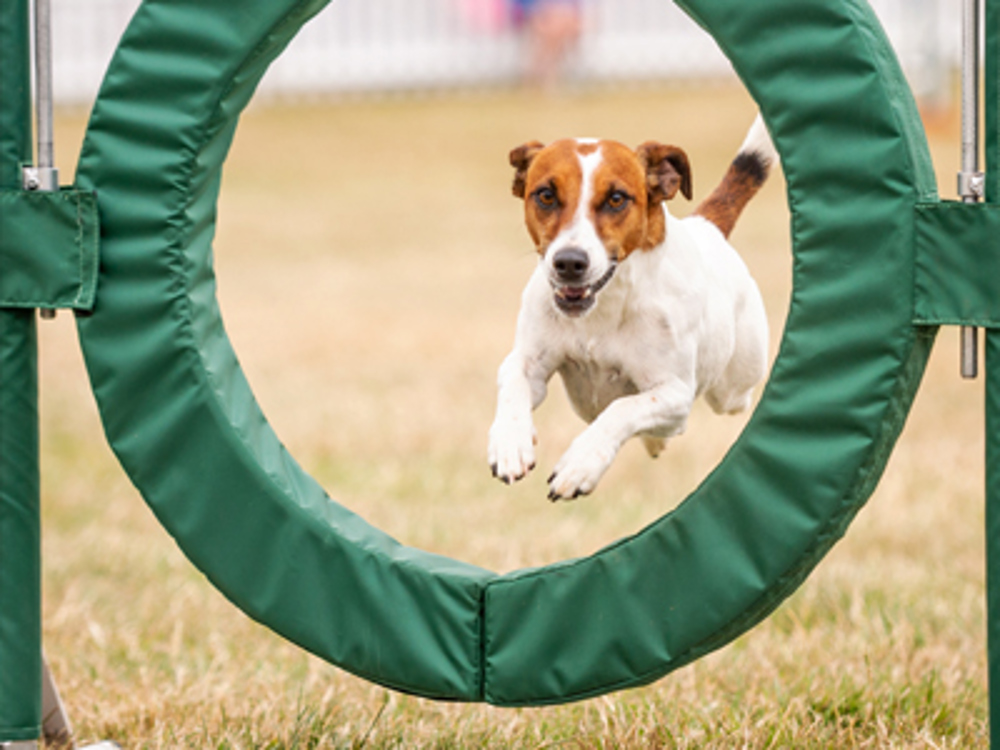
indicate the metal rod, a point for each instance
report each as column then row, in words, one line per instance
column 45, row 158
column 44, row 176
column 970, row 179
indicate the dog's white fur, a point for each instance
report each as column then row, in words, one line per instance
column 677, row 321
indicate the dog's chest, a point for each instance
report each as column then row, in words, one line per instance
column 595, row 373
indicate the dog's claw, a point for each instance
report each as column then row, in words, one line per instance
column 505, row 478
column 555, row 495
column 510, row 453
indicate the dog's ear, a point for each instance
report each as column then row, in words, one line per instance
column 521, row 158
column 667, row 171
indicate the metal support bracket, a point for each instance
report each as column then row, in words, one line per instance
column 971, row 186
column 41, row 178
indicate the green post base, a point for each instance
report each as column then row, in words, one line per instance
column 20, row 551
column 20, row 558
column 993, row 528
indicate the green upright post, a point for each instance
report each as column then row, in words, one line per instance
column 993, row 528
column 992, row 97
column 20, row 549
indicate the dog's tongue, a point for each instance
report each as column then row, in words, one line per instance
column 573, row 292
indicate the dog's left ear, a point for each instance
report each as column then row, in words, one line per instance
column 521, row 158
column 667, row 171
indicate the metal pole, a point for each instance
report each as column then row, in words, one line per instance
column 45, row 157
column 970, row 179
column 43, row 175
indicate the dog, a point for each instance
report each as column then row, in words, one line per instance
column 639, row 312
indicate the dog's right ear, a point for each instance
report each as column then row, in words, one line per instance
column 667, row 171
column 521, row 158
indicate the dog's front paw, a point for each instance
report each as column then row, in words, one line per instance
column 512, row 450
column 581, row 467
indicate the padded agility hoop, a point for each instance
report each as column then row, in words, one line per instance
column 180, row 415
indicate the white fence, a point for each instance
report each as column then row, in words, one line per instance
column 384, row 45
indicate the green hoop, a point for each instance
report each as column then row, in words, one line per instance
column 180, row 415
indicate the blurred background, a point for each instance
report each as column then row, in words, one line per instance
column 370, row 260
column 380, row 46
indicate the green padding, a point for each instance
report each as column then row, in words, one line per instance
column 181, row 417
column 20, row 530
column 958, row 264
column 992, row 95
column 20, row 516
column 48, row 249
column 856, row 162
column 175, row 403
column 993, row 527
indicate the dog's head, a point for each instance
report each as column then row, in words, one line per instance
column 589, row 204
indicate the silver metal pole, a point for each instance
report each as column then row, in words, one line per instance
column 970, row 179
column 43, row 74
column 43, row 175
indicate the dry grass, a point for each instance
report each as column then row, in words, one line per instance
column 370, row 262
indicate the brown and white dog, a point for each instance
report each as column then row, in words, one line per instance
column 638, row 311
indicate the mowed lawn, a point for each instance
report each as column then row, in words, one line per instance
column 370, row 259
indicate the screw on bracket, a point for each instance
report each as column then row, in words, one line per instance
column 971, row 185
column 30, row 178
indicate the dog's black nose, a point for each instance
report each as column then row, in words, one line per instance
column 571, row 264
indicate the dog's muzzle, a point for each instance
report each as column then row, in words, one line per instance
column 572, row 297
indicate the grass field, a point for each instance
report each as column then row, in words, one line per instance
column 370, row 262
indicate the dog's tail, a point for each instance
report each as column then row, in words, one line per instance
column 742, row 180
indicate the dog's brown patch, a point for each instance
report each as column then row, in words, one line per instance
column 556, row 168
column 741, row 182
column 667, row 171
column 521, row 158
column 550, row 180
column 625, row 230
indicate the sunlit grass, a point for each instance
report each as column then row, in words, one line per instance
column 370, row 261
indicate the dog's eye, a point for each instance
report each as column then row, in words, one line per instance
column 616, row 201
column 546, row 198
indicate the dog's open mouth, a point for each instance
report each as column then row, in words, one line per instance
column 576, row 300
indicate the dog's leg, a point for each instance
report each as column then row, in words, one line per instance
column 733, row 391
column 512, row 435
column 654, row 445
column 662, row 410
